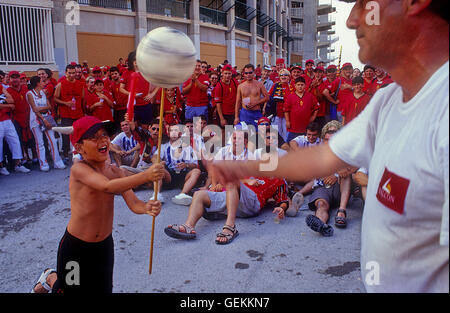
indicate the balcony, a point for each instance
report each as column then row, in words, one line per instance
column 111, row 4
column 327, row 42
column 296, row 13
column 243, row 24
column 169, row 8
column 324, row 9
column 216, row 17
column 324, row 26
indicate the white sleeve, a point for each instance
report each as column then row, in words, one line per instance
column 443, row 150
column 355, row 142
column 118, row 140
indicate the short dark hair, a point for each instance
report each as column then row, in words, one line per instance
column 300, row 79
column 114, row 69
column 313, row 126
column 368, row 66
column 154, row 121
column 189, row 120
column 357, row 80
column 249, row 66
column 70, row 67
column 98, row 81
column 131, row 58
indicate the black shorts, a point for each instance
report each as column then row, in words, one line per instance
column 84, row 267
column 177, row 179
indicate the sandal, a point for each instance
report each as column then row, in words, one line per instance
column 229, row 237
column 317, row 225
column 174, row 231
column 43, row 280
column 340, row 221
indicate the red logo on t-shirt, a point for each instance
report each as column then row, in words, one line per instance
column 392, row 191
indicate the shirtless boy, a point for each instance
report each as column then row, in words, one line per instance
column 251, row 95
column 87, row 243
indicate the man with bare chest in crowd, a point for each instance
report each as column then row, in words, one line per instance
column 251, row 96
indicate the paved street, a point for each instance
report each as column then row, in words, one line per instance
column 266, row 257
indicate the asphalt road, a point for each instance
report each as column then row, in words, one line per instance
column 265, row 258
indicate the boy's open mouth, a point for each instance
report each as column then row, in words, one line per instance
column 103, row 149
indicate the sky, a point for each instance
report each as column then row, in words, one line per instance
column 347, row 37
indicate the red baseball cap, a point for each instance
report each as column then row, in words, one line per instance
column 15, row 73
column 263, row 120
column 73, row 63
column 309, row 61
column 331, row 67
column 96, row 69
column 347, row 65
column 88, row 126
column 23, row 75
column 227, row 67
column 280, row 61
column 319, row 68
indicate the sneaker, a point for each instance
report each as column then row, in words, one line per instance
column 60, row 166
column 160, row 197
column 4, row 171
column 182, row 199
column 21, row 169
column 45, row 168
column 297, row 202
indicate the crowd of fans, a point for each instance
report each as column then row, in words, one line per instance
column 305, row 106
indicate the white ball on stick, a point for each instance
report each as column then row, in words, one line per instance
column 166, row 57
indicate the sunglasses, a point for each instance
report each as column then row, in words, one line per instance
column 285, row 75
column 248, row 73
column 264, row 124
column 155, row 128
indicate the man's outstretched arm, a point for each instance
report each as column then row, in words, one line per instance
column 302, row 165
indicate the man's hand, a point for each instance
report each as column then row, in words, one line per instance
column 216, row 188
column 330, row 180
column 236, row 120
column 223, row 122
column 155, row 172
column 279, row 211
column 153, row 208
column 361, row 179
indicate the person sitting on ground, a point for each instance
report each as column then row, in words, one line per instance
column 328, row 192
column 125, row 148
column 244, row 200
column 310, row 139
column 181, row 166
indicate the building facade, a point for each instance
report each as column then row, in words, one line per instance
column 52, row 33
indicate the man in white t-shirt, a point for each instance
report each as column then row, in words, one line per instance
column 124, row 147
column 402, row 138
column 311, row 138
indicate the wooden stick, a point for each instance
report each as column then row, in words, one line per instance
column 156, row 184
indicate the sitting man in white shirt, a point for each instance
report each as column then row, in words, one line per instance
column 311, row 138
column 124, row 147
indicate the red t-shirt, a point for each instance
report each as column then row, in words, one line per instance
column 141, row 86
column 49, row 90
column 170, row 118
column 308, row 80
column 343, row 93
column 70, row 90
column 103, row 113
column 354, row 106
column 268, row 188
column 120, row 98
column 226, row 95
column 300, row 111
column 285, row 91
column 195, row 97
column 21, row 112
column 369, row 87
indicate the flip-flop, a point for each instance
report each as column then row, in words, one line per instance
column 229, row 237
column 174, row 232
column 340, row 221
column 317, row 225
column 43, row 280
